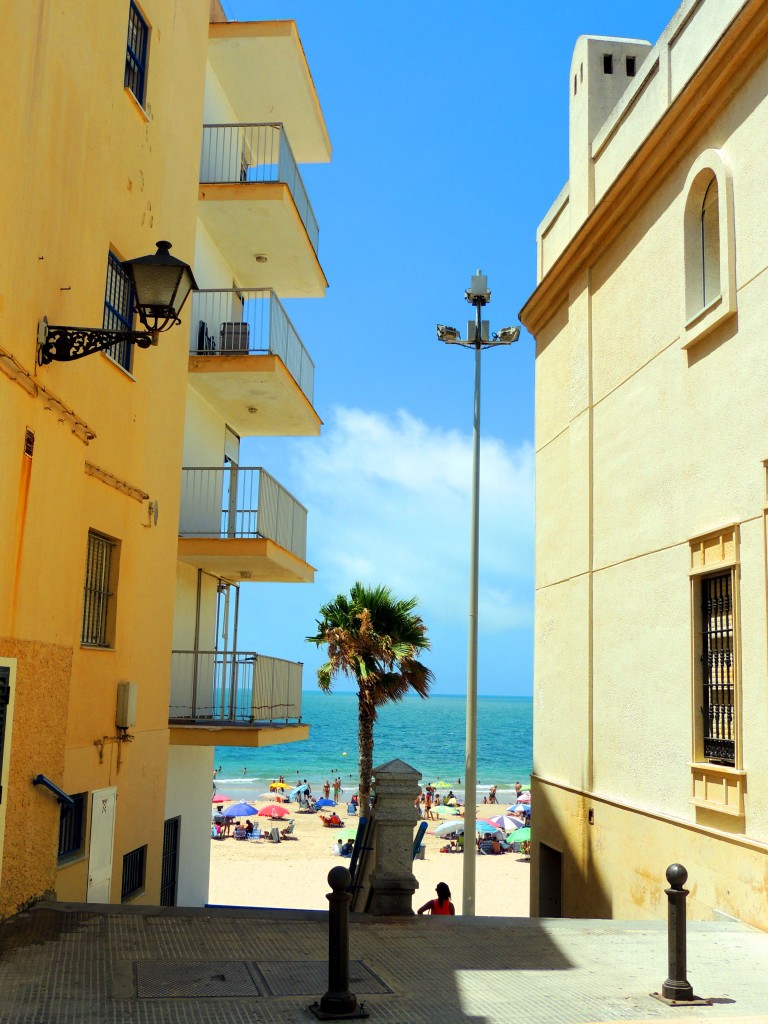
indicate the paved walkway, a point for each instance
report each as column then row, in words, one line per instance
column 63, row 963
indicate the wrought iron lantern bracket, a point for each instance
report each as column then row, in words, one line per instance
column 55, row 342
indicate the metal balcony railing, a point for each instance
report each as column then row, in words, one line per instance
column 242, row 153
column 240, row 321
column 241, row 502
column 233, row 687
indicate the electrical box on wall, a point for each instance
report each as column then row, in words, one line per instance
column 125, row 717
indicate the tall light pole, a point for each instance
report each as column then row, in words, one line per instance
column 478, row 338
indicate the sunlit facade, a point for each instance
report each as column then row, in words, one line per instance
column 651, row 483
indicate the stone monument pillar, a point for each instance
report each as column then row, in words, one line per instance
column 392, row 881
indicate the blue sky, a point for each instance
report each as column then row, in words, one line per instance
column 449, row 125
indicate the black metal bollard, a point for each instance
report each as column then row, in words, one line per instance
column 676, row 986
column 338, row 1001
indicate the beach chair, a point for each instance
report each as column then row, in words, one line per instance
column 255, row 836
column 351, row 809
column 275, row 835
column 287, row 832
column 240, row 833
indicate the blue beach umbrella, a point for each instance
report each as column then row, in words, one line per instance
column 485, row 827
column 299, row 789
column 325, row 802
column 237, row 810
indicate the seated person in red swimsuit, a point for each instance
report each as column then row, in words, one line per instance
column 442, row 905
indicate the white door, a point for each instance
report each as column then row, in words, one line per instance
column 102, row 836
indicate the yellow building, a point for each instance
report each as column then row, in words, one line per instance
column 103, row 150
column 651, row 616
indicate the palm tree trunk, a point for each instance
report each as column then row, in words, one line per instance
column 366, row 715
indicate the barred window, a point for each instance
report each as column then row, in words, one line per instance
column 72, row 827
column 98, row 600
column 718, row 706
column 118, row 309
column 134, row 864
column 5, row 696
column 136, row 54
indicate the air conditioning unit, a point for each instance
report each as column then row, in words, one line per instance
column 234, row 337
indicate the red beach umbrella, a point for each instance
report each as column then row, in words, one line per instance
column 274, row 811
column 217, row 798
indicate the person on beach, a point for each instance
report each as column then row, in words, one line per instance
column 326, row 789
column 518, row 790
column 442, row 905
column 336, row 789
column 492, row 795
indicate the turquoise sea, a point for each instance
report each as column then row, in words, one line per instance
column 428, row 734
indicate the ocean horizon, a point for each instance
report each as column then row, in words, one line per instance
column 427, row 734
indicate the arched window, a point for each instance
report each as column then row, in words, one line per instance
column 710, row 244
column 709, row 247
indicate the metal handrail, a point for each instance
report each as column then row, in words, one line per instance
column 234, row 687
column 241, row 502
column 247, row 153
column 249, row 321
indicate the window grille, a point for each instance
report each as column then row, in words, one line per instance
column 96, row 602
column 118, row 309
column 5, row 696
column 71, row 822
column 136, row 53
column 133, row 872
column 718, row 706
column 170, row 869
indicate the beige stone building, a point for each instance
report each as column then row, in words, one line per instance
column 651, row 680
column 127, row 523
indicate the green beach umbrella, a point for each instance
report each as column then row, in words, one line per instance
column 522, row 835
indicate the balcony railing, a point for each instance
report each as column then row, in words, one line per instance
column 234, row 687
column 244, row 153
column 249, row 321
column 236, row 502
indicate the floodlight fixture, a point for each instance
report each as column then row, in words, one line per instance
column 507, row 336
column 450, row 335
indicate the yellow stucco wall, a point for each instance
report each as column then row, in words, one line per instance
column 641, row 446
column 86, row 170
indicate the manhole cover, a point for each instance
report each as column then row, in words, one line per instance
column 310, row 978
column 189, row 979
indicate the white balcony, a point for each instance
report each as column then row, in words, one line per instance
column 248, row 362
column 262, row 69
column 254, row 205
column 234, row 698
column 240, row 524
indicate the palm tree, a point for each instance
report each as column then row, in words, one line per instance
column 374, row 638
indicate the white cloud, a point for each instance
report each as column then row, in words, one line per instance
column 389, row 502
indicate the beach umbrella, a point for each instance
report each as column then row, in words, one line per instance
column 524, row 798
column 525, row 808
column 325, row 802
column 451, row 802
column 298, row 789
column 449, row 828
column 280, row 785
column 236, row 810
column 347, row 833
column 273, row 811
column 485, row 827
column 220, row 798
column 504, row 821
column 446, row 812
column 523, row 835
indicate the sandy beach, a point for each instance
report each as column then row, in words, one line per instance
column 294, row 873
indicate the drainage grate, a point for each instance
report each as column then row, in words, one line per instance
column 191, row 979
column 310, row 978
